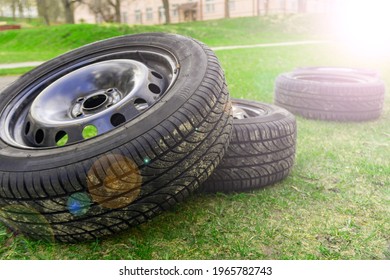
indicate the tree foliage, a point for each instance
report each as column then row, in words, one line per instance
column 17, row 7
column 49, row 10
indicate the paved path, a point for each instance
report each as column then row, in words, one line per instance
column 4, row 81
column 282, row 44
column 20, row 65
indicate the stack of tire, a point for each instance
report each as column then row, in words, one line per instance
column 109, row 135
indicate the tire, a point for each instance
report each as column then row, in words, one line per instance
column 95, row 187
column 330, row 96
column 261, row 150
column 339, row 70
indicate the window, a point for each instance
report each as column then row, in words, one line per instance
column 138, row 16
column 210, row 6
column 149, row 13
column 232, row 5
column 161, row 14
column 175, row 10
column 125, row 18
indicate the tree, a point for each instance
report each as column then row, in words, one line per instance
column 166, row 9
column 12, row 4
column 43, row 11
column 69, row 10
column 227, row 9
column 101, row 10
column 116, row 5
column 108, row 10
column 49, row 10
column 266, row 7
column 21, row 4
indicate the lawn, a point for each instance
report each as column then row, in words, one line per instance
column 334, row 205
column 42, row 43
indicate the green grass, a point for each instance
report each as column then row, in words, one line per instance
column 43, row 43
column 24, row 23
column 14, row 71
column 334, row 205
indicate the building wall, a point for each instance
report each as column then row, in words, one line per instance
column 206, row 10
column 82, row 14
column 150, row 12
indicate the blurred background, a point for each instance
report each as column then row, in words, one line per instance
column 154, row 11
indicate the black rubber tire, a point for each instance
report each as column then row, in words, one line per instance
column 261, row 150
column 340, row 70
column 116, row 180
column 330, row 96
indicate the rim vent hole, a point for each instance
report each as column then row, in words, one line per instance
column 61, row 138
column 157, row 75
column 140, row 104
column 117, row 119
column 154, row 88
column 39, row 136
column 27, row 128
column 89, row 131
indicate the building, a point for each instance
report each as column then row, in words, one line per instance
column 152, row 11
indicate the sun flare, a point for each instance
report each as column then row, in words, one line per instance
column 364, row 26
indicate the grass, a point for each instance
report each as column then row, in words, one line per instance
column 27, row 44
column 14, row 71
column 334, row 205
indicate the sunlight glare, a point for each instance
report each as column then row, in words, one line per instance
column 364, row 26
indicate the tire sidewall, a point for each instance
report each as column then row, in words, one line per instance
column 357, row 80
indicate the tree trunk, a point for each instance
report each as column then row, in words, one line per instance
column 21, row 9
column 166, row 10
column 69, row 12
column 266, row 7
column 118, row 11
column 13, row 8
column 116, row 4
column 43, row 11
column 227, row 12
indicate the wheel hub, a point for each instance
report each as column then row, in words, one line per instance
column 99, row 97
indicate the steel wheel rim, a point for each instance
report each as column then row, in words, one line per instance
column 91, row 98
column 241, row 111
